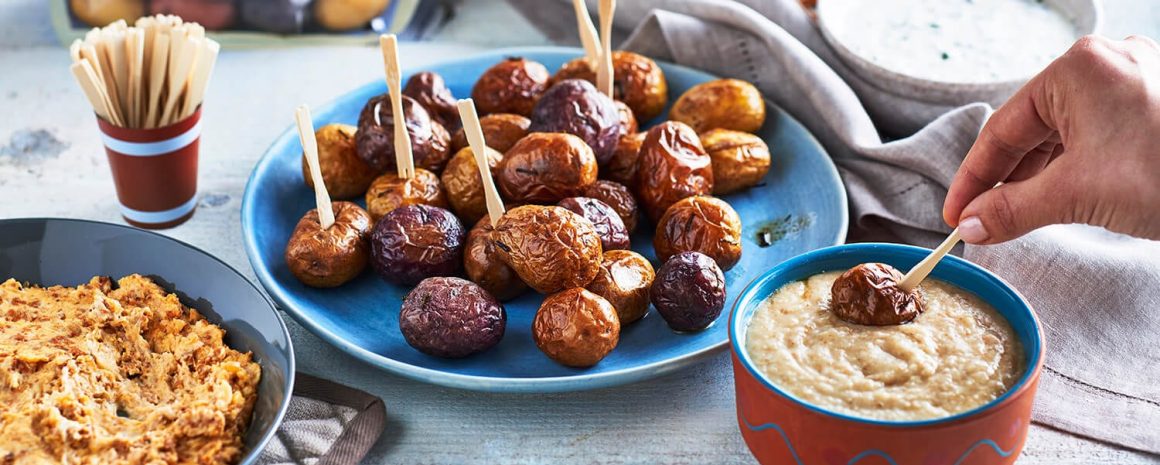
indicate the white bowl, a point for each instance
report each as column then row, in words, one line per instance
column 1085, row 14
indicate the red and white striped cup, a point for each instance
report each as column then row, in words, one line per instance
column 155, row 171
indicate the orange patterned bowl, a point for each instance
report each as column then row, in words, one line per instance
column 783, row 430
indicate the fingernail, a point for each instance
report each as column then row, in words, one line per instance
column 971, row 230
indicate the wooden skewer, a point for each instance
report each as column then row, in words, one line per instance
column 134, row 48
column 120, row 64
column 178, row 75
column 587, row 33
column 200, row 81
column 923, row 268
column 474, row 133
column 85, row 78
column 157, row 68
column 604, row 72
column 403, row 156
column 310, row 148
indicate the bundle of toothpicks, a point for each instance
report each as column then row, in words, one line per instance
column 149, row 75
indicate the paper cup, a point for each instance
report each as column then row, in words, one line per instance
column 155, row 171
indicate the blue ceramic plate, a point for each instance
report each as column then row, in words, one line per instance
column 69, row 252
column 801, row 206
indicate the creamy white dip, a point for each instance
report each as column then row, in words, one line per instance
column 953, row 40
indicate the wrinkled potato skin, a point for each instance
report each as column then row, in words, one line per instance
column 700, row 224
column 464, row 185
column 544, row 168
column 689, row 291
column 576, row 107
column 636, row 80
column 622, row 167
column 740, row 159
column 389, row 192
column 439, row 152
column 416, row 242
column 344, row 173
column 451, row 318
column 619, row 198
column 485, row 268
column 376, row 144
column 550, row 248
column 500, row 131
column 613, row 234
column 628, row 124
column 511, row 86
column 672, row 166
column 329, row 258
column 429, row 90
column 624, row 281
column 576, row 328
column 724, row 103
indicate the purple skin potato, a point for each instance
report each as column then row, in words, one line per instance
column 613, row 233
column 375, row 138
column 451, row 318
column 576, row 107
column 415, row 242
column 689, row 291
column 429, row 90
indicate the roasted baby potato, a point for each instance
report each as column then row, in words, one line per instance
column 376, row 135
column 500, row 132
column 484, row 267
column 724, row 103
column 344, row 173
column 576, row 328
column 672, row 166
column 544, row 168
column 344, row 15
column 689, row 291
column 622, row 167
column 550, row 248
column 613, row 234
column 576, row 107
column 740, row 159
column 511, row 86
column 416, row 242
column 636, row 80
column 624, row 281
column 389, row 192
column 429, row 90
column 700, row 224
column 618, row 197
column 329, row 257
column 628, row 123
column 464, row 185
column 451, row 318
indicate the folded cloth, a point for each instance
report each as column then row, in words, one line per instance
column 327, row 424
column 1098, row 293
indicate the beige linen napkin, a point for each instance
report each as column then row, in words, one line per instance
column 327, row 424
column 1097, row 293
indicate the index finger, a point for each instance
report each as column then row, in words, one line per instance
column 1015, row 129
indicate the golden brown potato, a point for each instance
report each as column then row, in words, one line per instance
column 330, row 257
column 99, row 13
column 345, row 174
column 511, row 86
column 576, row 328
column 438, row 152
column 619, row 198
column 550, row 248
column 464, row 185
column 628, row 123
column 636, row 80
column 545, row 168
column 484, row 267
column 344, row 15
column 724, row 103
column 700, row 224
column 672, row 166
column 622, row 167
column 624, row 281
column 500, row 132
column 389, row 192
column 740, row 159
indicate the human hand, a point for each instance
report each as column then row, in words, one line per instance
column 1080, row 143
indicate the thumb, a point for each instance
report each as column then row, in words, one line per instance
column 1012, row 210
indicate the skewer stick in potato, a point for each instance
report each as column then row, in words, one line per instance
column 587, row 33
column 474, row 133
column 310, row 148
column 403, row 156
column 604, row 72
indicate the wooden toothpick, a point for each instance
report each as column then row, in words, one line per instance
column 310, row 148
column 604, row 72
column 587, row 33
column 923, row 268
column 474, row 133
column 403, row 156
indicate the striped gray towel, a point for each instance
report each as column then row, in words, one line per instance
column 327, row 424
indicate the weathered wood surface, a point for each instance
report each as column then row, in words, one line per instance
column 52, row 164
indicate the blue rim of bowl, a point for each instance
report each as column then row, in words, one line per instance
column 488, row 383
column 252, row 455
column 747, row 297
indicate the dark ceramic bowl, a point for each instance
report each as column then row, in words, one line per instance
column 69, row 252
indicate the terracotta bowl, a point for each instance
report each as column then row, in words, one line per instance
column 783, row 430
